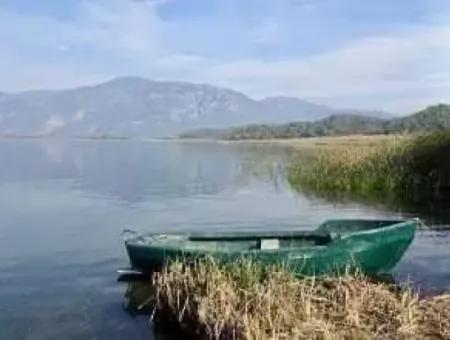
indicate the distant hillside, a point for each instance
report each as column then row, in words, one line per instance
column 133, row 106
column 431, row 119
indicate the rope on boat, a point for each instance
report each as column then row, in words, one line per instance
column 421, row 225
column 126, row 232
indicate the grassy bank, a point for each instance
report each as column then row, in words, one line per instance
column 409, row 168
column 244, row 301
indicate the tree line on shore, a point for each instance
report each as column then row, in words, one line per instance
column 433, row 118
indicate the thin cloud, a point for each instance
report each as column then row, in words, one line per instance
column 378, row 66
column 105, row 38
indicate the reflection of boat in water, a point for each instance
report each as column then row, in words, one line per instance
column 140, row 301
column 139, row 295
column 374, row 246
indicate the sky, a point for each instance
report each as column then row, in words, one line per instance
column 385, row 55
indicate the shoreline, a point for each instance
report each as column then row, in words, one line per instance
column 354, row 138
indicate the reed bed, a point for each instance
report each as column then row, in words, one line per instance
column 408, row 169
column 244, row 300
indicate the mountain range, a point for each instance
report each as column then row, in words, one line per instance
column 131, row 106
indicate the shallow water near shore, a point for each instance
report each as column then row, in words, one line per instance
column 63, row 205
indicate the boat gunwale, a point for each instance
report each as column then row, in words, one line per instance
column 292, row 234
column 284, row 234
column 400, row 224
column 396, row 224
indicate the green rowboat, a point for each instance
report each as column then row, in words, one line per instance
column 372, row 246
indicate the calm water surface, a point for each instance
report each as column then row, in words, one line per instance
column 64, row 204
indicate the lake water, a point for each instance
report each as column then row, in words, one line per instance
column 64, row 204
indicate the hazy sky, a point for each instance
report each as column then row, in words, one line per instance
column 385, row 54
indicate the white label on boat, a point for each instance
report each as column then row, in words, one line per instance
column 268, row 244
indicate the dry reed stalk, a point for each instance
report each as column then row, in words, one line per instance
column 246, row 301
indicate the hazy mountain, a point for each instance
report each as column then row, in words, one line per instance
column 140, row 107
column 291, row 108
column 433, row 118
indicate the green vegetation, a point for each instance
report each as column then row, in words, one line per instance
column 243, row 300
column 330, row 126
column 433, row 118
column 409, row 169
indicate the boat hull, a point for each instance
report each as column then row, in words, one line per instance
column 372, row 251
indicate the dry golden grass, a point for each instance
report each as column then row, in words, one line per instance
column 342, row 142
column 332, row 142
column 245, row 301
column 435, row 317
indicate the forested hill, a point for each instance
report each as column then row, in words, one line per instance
column 430, row 119
column 433, row 118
